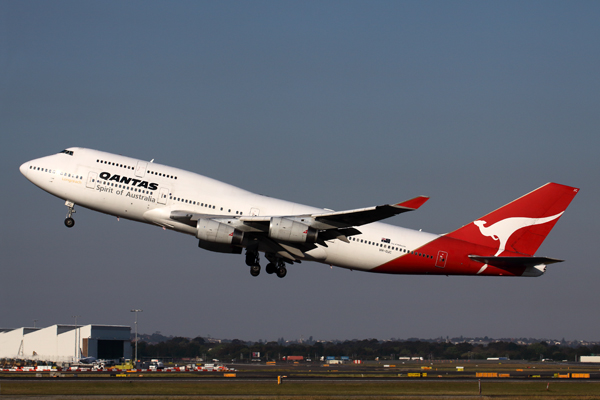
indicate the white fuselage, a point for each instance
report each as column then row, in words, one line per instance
column 149, row 192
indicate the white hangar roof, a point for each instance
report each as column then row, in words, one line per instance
column 66, row 342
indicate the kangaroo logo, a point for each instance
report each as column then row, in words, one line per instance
column 504, row 229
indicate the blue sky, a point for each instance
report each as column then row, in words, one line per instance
column 333, row 104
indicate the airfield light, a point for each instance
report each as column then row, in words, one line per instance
column 136, row 311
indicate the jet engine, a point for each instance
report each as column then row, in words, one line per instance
column 291, row 231
column 209, row 230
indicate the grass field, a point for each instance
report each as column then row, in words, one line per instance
column 305, row 390
column 322, row 383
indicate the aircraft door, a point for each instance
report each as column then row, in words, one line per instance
column 140, row 169
column 442, row 256
column 254, row 212
column 163, row 195
column 91, row 180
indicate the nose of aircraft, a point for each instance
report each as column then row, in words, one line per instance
column 24, row 168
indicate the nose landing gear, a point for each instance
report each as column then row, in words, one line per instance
column 69, row 221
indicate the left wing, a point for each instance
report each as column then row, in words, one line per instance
column 291, row 235
column 349, row 218
column 363, row 216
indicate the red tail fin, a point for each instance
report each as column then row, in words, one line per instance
column 522, row 225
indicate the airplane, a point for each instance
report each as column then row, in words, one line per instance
column 228, row 219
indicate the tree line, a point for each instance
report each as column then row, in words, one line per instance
column 368, row 349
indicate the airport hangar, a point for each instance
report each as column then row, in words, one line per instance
column 66, row 343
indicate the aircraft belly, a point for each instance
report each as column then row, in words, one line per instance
column 379, row 245
column 352, row 256
column 318, row 254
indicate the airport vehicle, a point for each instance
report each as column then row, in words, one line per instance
column 156, row 365
column 228, row 219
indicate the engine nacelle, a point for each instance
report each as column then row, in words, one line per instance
column 209, row 230
column 292, row 231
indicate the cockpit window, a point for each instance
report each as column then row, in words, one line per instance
column 69, row 152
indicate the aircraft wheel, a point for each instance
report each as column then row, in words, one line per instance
column 281, row 271
column 69, row 222
column 255, row 270
column 270, row 268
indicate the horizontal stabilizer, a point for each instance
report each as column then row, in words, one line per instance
column 514, row 262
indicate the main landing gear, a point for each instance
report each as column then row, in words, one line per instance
column 276, row 265
column 252, row 260
column 69, row 221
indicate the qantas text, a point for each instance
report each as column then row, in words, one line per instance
column 128, row 181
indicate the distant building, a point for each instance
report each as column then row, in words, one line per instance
column 590, row 359
column 66, row 343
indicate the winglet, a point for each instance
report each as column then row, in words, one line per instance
column 413, row 204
